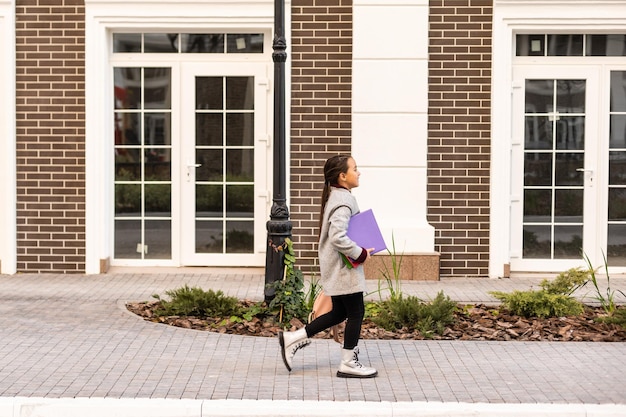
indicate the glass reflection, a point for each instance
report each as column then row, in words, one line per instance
column 244, row 43
column 157, row 164
column 537, row 169
column 570, row 96
column 537, row 242
column 158, row 200
column 211, row 168
column 240, row 129
column 158, row 239
column 617, row 168
column 209, row 129
column 240, row 165
column 202, row 43
column 539, row 96
column 157, row 88
column 209, row 91
column 570, row 132
column 127, row 42
column 616, row 246
column 537, row 205
column 240, row 93
column 618, row 91
column 568, row 242
column 538, row 133
column 565, row 45
column 209, row 237
column 127, row 234
column 566, row 166
column 127, row 129
column 128, row 199
column 240, row 201
column 568, row 206
column 617, row 204
column 209, row 200
column 617, row 135
column 606, row 45
column 157, row 129
column 160, row 42
column 127, row 88
column 239, row 237
column 127, row 164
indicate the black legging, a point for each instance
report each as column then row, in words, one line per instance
column 350, row 307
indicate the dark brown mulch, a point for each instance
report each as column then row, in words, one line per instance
column 477, row 322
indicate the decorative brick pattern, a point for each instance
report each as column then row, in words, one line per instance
column 50, row 135
column 321, row 109
column 459, row 133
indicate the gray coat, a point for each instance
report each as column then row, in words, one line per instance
column 336, row 278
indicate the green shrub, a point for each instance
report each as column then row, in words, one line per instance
column 196, row 302
column 566, row 283
column 413, row 314
column 539, row 303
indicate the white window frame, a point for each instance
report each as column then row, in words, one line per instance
column 8, row 176
column 104, row 16
column 528, row 16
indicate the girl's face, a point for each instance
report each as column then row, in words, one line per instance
column 350, row 178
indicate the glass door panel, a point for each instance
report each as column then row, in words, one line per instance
column 224, row 197
column 616, row 234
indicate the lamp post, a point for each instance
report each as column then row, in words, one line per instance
column 279, row 225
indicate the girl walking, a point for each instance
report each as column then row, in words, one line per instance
column 344, row 285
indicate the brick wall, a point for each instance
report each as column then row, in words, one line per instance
column 320, row 109
column 50, row 135
column 459, row 133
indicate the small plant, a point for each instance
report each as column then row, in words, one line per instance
column 414, row 314
column 553, row 300
column 196, row 302
column 289, row 296
column 391, row 275
column 607, row 302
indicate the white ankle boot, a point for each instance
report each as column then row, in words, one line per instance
column 351, row 367
column 290, row 343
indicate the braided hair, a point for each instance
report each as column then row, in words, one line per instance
column 334, row 166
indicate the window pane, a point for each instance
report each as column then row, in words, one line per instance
column 537, row 169
column 240, row 201
column 157, row 85
column 617, row 204
column 158, row 200
column 157, row 164
column 211, row 168
column 127, row 237
column 538, row 133
column 240, row 93
column 158, row 239
column 616, row 248
column 157, row 129
column 128, row 199
column 570, row 133
column 618, row 132
column 537, row 206
column 244, row 43
column 127, row 42
column 209, row 93
column 617, row 168
column 209, row 129
column 568, row 242
column 127, row 85
column 240, row 165
column 606, row 45
column 127, row 164
column 127, row 129
column 160, row 42
column 530, row 45
column 570, row 96
column 568, row 206
column 209, row 201
column 240, row 129
column 537, row 242
column 565, row 45
column 209, row 236
column 239, row 237
column 539, row 96
column 566, row 166
column 618, row 91
column 201, row 43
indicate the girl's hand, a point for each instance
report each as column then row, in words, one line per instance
column 369, row 253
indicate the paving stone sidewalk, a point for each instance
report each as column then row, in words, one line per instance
column 69, row 336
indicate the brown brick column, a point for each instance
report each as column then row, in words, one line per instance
column 321, row 107
column 459, row 133
column 50, row 91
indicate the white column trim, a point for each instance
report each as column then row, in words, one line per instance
column 8, row 175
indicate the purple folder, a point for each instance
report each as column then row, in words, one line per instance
column 364, row 230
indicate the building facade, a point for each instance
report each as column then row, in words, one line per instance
column 489, row 133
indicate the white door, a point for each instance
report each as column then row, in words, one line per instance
column 558, row 202
column 225, row 155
